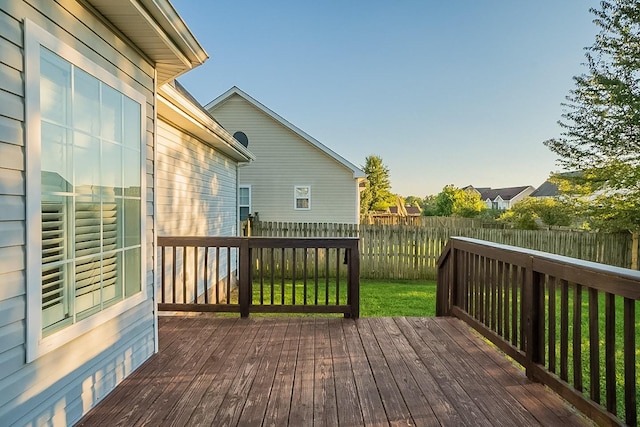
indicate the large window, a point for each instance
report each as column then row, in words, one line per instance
column 302, row 197
column 84, row 182
column 244, row 201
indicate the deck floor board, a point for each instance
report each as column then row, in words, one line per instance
column 301, row 371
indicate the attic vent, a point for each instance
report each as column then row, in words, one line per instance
column 241, row 137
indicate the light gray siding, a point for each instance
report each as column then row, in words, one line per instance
column 283, row 160
column 196, row 196
column 59, row 387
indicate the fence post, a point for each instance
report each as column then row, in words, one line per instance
column 354, row 280
column 244, row 284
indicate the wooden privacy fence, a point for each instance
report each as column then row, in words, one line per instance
column 259, row 274
column 572, row 324
column 411, row 252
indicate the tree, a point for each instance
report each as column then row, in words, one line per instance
column 532, row 212
column 453, row 201
column 601, row 126
column 377, row 193
column 444, row 200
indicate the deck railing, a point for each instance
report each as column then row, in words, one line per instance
column 572, row 324
column 259, row 274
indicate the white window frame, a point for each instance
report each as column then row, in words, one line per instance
column 244, row 206
column 296, row 198
column 36, row 344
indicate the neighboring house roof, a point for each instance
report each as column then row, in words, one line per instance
column 158, row 31
column 408, row 210
column 177, row 106
column 504, row 193
column 547, row 189
column 357, row 172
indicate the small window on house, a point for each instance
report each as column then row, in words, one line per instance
column 302, row 195
column 244, row 201
column 242, row 138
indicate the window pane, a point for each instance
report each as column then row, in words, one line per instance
column 55, row 160
column 132, row 272
column 131, row 173
column 55, row 307
column 86, row 102
column 87, row 284
column 302, row 203
column 55, row 87
column 244, row 213
column 243, row 196
column 55, row 217
column 86, row 164
column 111, row 169
column 131, row 222
column 87, row 226
column 302, row 192
column 132, row 124
column 111, row 224
column 111, row 114
column 112, row 278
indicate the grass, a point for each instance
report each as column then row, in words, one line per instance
column 378, row 298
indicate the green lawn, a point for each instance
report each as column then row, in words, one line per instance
column 378, row 298
column 408, row 298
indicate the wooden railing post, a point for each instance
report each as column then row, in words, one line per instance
column 533, row 314
column 353, row 280
column 244, row 282
column 443, row 306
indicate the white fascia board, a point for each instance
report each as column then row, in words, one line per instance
column 357, row 172
column 176, row 108
column 173, row 24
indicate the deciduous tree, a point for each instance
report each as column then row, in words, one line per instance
column 601, row 136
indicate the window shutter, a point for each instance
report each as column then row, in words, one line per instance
column 54, row 306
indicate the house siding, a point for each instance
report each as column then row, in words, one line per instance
column 62, row 385
column 196, row 196
column 333, row 187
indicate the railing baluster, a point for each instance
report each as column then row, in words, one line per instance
column 228, row 275
column 195, row 273
column 630, row 378
column 162, row 273
column 326, row 281
column 305, row 272
column 184, row 274
column 552, row 324
column 337, row 276
column 564, row 330
column 206, row 275
column 173, row 275
column 273, row 273
column 283, row 276
column 594, row 347
column 610, row 351
column 293, row 277
column 261, row 272
column 316, row 277
column 217, row 249
column 577, row 337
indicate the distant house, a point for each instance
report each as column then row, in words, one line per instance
column 546, row 189
column 294, row 177
column 406, row 211
column 100, row 152
column 504, row 198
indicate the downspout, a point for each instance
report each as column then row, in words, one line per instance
column 156, row 346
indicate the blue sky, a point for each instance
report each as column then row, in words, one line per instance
column 446, row 92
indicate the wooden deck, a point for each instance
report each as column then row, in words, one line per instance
column 329, row 372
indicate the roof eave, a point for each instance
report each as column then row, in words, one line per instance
column 180, row 111
column 157, row 30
